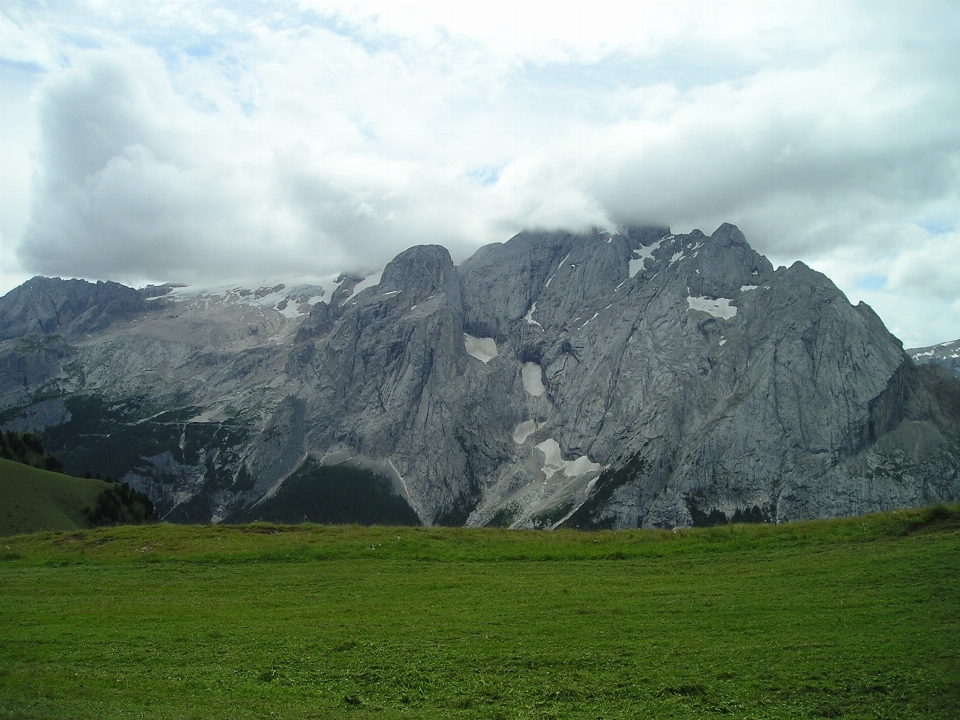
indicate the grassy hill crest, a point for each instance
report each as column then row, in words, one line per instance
column 32, row 499
column 35, row 495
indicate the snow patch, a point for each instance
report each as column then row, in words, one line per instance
column 203, row 417
column 532, row 379
column 549, row 279
column 289, row 309
column 533, row 308
column 642, row 254
column 524, row 430
column 719, row 308
column 590, row 320
column 747, row 288
column 676, row 256
column 483, row 349
column 553, row 461
column 581, row 466
column 368, row 281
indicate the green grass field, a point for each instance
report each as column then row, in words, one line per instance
column 33, row 499
column 855, row 618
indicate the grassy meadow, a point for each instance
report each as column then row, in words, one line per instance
column 32, row 499
column 856, row 618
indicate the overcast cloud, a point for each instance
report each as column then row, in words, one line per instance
column 202, row 142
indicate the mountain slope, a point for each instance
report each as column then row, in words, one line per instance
column 638, row 378
column 946, row 355
column 32, row 499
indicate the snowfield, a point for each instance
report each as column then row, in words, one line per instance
column 719, row 307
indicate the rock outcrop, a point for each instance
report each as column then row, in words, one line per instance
column 637, row 378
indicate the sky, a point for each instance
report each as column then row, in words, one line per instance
column 203, row 142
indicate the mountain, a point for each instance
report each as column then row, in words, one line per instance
column 945, row 355
column 637, row 378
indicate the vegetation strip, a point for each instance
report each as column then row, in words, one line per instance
column 847, row 618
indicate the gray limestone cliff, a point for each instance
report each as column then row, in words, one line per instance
column 45, row 306
column 628, row 379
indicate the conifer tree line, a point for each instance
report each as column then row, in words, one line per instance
column 117, row 504
column 120, row 504
column 27, row 448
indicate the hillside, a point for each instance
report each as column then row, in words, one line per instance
column 32, row 499
column 854, row 618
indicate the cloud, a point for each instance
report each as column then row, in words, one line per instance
column 135, row 182
column 203, row 142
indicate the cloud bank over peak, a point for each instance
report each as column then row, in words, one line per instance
column 221, row 141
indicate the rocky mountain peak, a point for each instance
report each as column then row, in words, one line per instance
column 730, row 235
column 420, row 272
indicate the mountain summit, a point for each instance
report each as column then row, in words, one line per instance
column 637, row 378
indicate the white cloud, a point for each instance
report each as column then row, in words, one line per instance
column 207, row 140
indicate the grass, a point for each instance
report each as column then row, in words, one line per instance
column 33, row 499
column 855, row 618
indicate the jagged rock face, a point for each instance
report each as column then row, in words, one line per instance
column 728, row 386
column 630, row 379
column 393, row 381
column 946, row 355
column 45, row 306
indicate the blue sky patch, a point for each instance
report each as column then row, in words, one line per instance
column 872, row 281
column 484, row 176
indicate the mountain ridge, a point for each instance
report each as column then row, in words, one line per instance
column 946, row 355
column 601, row 379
